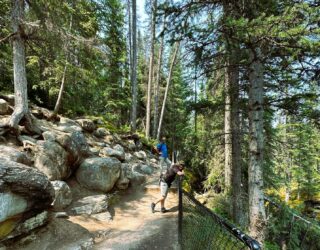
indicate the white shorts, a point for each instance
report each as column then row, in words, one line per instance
column 164, row 189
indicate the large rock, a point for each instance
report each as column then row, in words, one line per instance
column 25, row 192
column 87, row 124
column 8, row 98
column 67, row 125
column 52, row 160
column 131, row 145
column 59, row 234
column 101, row 132
column 11, row 204
column 74, row 143
column 29, row 224
column 13, row 154
column 117, row 152
column 128, row 157
column 142, row 168
column 141, row 155
column 90, row 205
column 126, row 173
column 4, row 107
column 99, row 173
column 136, row 178
column 63, row 195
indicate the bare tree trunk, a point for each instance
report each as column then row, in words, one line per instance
column 153, row 28
column 157, row 84
column 227, row 133
column 195, row 102
column 237, row 206
column 63, row 80
column 59, row 99
column 167, row 88
column 134, row 68
column 19, row 66
column 257, row 213
column 129, row 39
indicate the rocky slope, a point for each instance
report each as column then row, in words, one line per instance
column 73, row 168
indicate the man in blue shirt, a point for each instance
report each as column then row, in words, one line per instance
column 165, row 163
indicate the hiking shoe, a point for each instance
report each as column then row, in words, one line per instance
column 152, row 207
column 164, row 210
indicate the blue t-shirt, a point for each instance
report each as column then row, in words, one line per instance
column 162, row 147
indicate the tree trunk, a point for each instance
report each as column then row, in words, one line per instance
column 134, row 68
column 151, row 63
column 256, row 140
column 227, row 133
column 129, row 39
column 59, row 99
column 19, row 66
column 237, row 206
column 167, row 88
column 157, row 83
column 63, row 80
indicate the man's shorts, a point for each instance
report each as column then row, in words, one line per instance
column 164, row 189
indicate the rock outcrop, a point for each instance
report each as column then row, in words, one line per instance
column 98, row 173
column 52, row 160
column 63, row 195
column 25, row 192
column 90, row 205
column 4, row 107
column 15, row 155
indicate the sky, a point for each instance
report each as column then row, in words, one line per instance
column 140, row 9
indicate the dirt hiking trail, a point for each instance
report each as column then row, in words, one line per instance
column 133, row 225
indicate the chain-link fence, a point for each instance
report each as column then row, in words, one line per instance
column 289, row 230
column 200, row 228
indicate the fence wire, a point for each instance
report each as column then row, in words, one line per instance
column 200, row 228
column 290, row 230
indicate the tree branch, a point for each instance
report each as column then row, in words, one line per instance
column 7, row 37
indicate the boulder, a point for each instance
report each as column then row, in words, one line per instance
column 90, row 205
column 137, row 178
column 128, row 157
column 59, row 234
column 67, row 125
column 95, row 151
column 15, row 155
column 116, row 152
column 106, row 216
column 63, row 195
column 99, row 173
column 141, row 155
column 87, row 124
column 101, row 132
column 8, row 98
column 153, row 160
column 29, row 224
column 126, row 173
column 74, row 143
column 142, row 168
column 11, row 204
column 25, row 192
column 28, row 142
column 109, row 139
column 4, row 107
column 100, row 144
column 52, row 160
column 131, row 145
